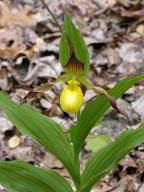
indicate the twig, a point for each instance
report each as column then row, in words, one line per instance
column 101, row 6
column 51, row 13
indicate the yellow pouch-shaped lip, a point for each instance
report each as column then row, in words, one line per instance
column 71, row 98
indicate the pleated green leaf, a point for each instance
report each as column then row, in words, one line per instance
column 71, row 35
column 19, row 176
column 106, row 158
column 95, row 110
column 40, row 127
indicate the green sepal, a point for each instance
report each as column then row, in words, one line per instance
column 71, row 35
column 64, row 50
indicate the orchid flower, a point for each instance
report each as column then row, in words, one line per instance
column 74, row 58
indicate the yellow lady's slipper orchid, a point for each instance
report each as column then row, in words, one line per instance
column 72, row 50
column 71, row 98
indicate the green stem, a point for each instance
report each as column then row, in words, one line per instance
column 78, row 115
column 76, row 156
column 78, row 182
column 77, row 162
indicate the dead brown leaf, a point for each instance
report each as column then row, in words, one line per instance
column 14, row 52
column 10, row 20
column 50, row 161
column 136, row 11
column 11, row 52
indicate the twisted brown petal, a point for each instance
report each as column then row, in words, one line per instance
column 122, row 112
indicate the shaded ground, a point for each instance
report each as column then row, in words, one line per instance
column 29, row 45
